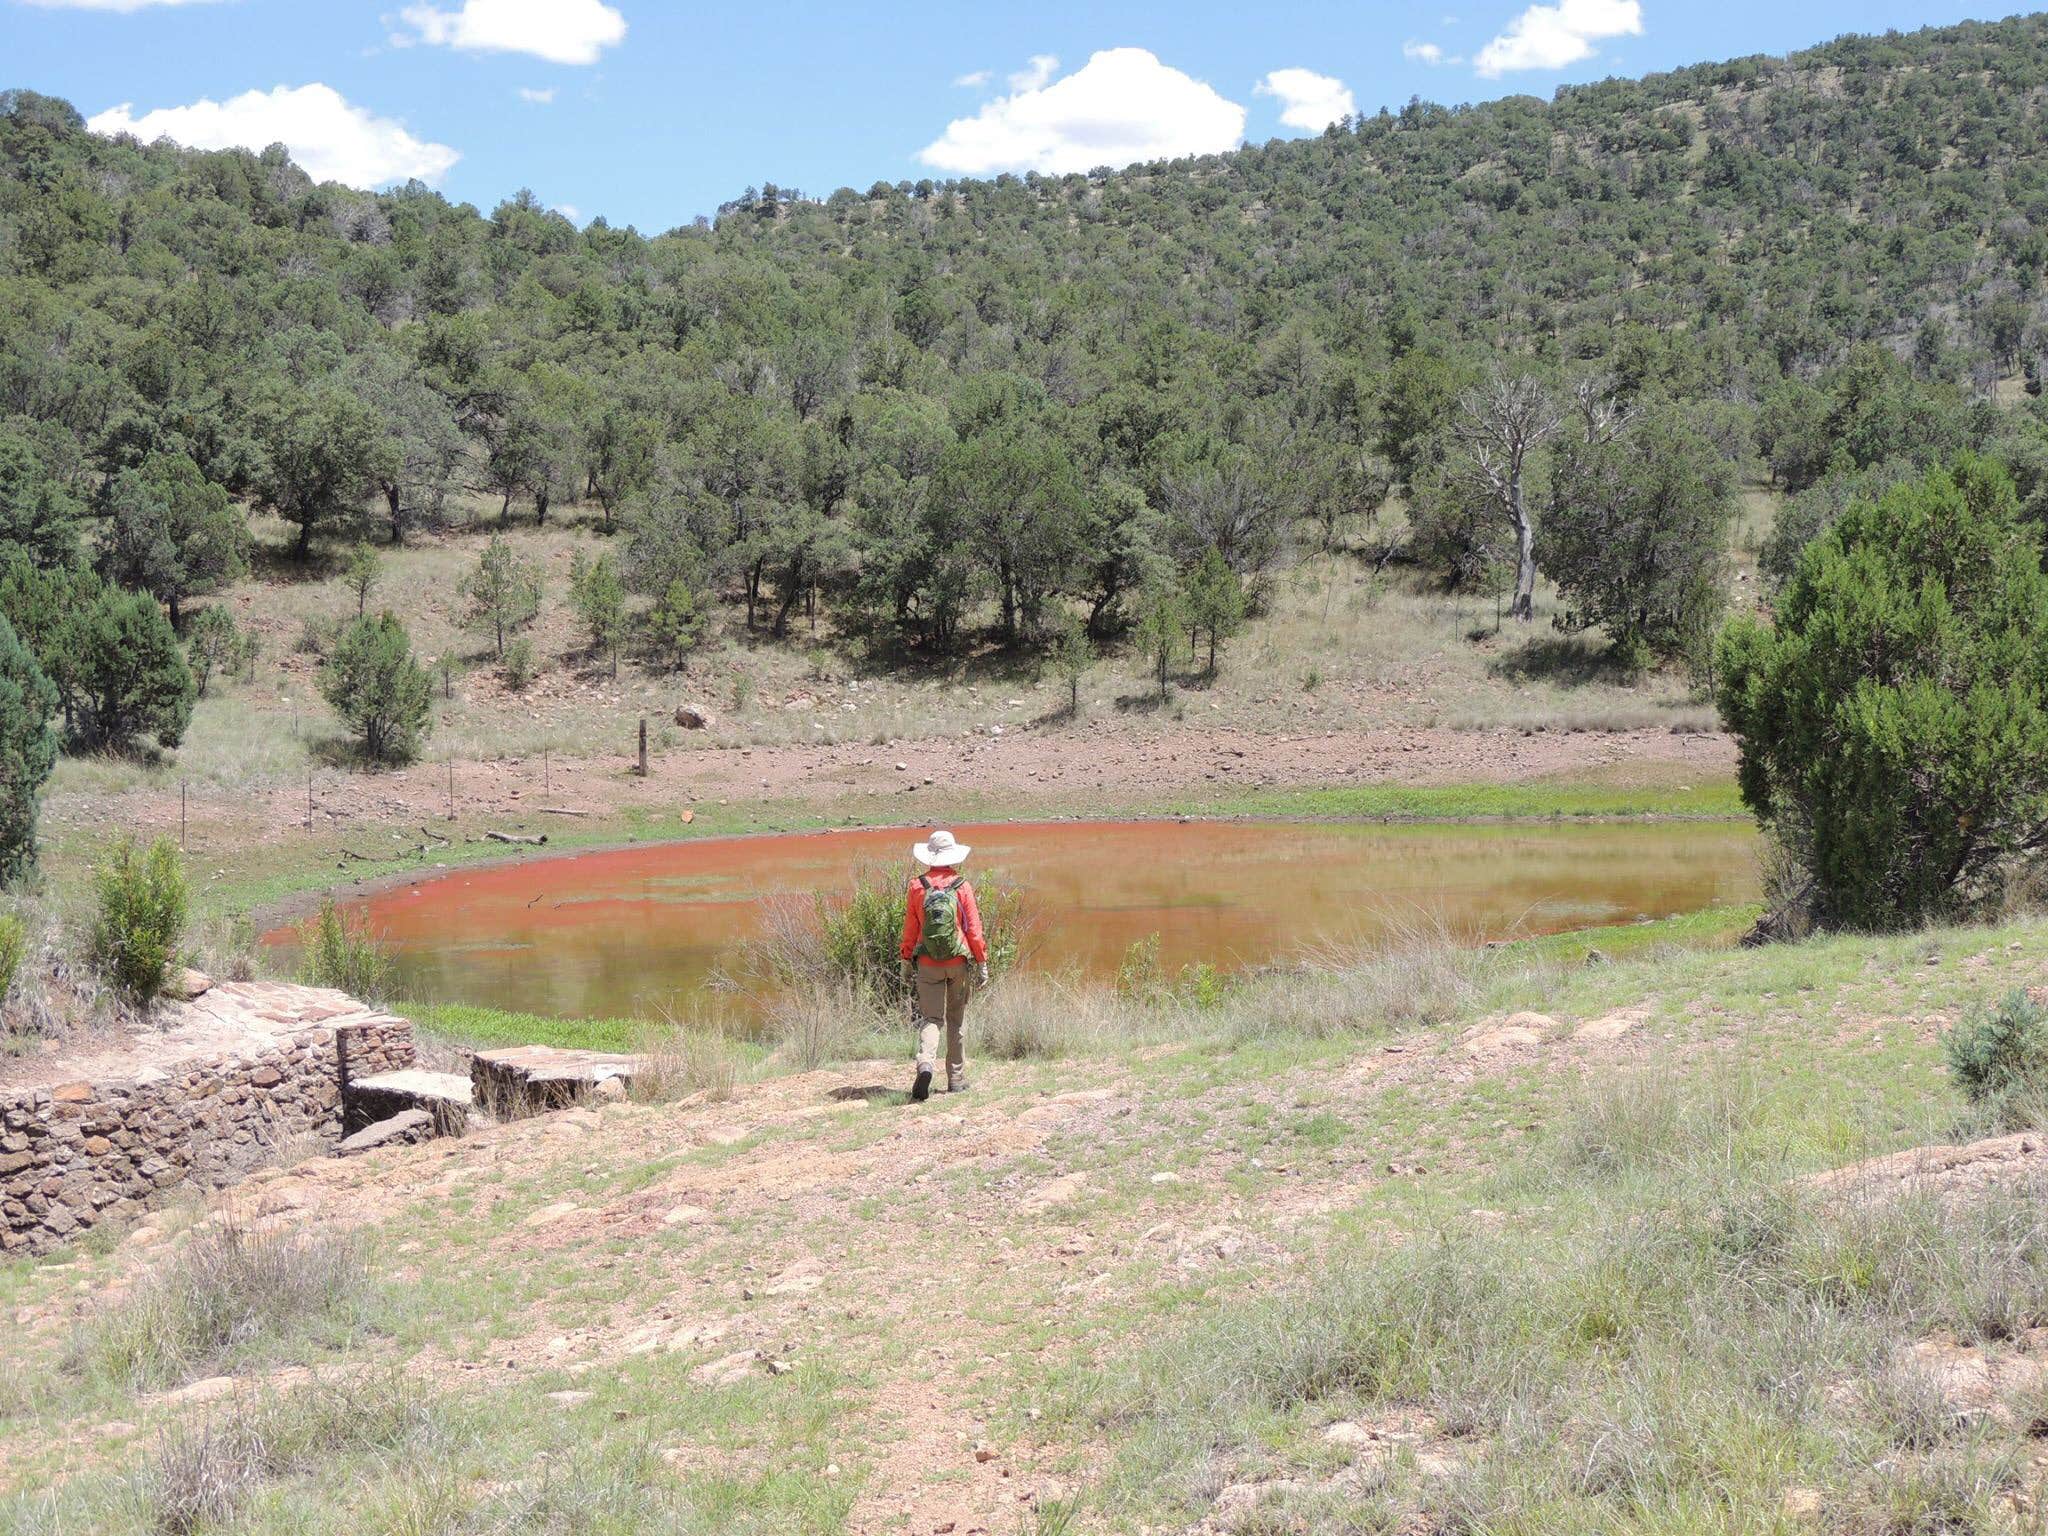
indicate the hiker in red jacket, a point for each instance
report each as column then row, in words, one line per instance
column 941, row 934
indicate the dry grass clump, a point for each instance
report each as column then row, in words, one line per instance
column 1041, row 1017
column 229, row 1292
column 816, row 1023
column 684, row 1059
column 200, row 1474
column 1662, row 1327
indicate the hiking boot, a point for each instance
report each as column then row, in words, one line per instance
column 921, row 1086
column 956, row 1082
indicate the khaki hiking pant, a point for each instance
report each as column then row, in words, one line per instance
column 942, row 1000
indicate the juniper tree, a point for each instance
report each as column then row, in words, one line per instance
column 1893, row 723
column 381, row 693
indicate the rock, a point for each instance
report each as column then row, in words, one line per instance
column 407, row 1128
column 569, row 1399
column 611, row 1089
column 804, row 1275
column 1514, row 1038
column 685, row 1215
column 1067, row 1187
column 1345, row 1432
column 551, row 1213
column 728, row 1369
column 71, row 1093
column 1165, row 1178
column 690, row 718
column 182, row 983
column 1801, row 1504
column 1598, row 957
column 204, row 1390
column 984, row 1453
column 1611, row 1026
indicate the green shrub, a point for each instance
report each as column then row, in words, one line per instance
column 142, row 904
column 519, row 665
column 2000, row 1058
column 1893, row 724
column 380, row 692
column 853, row 939
column 28, row 749
column 341, row 952
column 13, row 945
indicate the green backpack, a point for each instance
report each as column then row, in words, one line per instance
column 942, row 938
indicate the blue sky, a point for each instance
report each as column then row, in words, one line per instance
column 652, row 113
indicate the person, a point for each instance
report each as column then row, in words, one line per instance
column 941, row 936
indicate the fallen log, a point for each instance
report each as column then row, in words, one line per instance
column 515, row 837
column 559, row 810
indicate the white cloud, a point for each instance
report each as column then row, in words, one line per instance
column 1122, row 106
column 330, row 138
column 1032, row 76
column 1308, row 100
column 123, row 6
column 560, row 31
column 1552, row 36
column 540, row 96
column 973, row 78
column 570, row 212
column 1426, row 53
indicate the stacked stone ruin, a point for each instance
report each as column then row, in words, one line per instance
column 230, row 1081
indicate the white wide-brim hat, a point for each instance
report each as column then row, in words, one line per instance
column 940, row 850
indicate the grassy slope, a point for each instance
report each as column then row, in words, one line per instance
column 1611, row 1214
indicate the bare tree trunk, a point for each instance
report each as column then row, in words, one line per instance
column 1524, row 605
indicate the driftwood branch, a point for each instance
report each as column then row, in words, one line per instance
column 515, row 837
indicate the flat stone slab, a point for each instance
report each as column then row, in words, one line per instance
column 545, row 1076
column 407, row 1128
column 447, row 1096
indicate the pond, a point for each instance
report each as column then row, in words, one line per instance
column 634, row 931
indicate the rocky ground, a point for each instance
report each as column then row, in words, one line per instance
column 815, row 1299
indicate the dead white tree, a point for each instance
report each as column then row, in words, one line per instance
column 1603, row 416
column 1502, row 424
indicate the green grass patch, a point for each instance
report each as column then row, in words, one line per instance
column 1715, row 800
column 481, row 1028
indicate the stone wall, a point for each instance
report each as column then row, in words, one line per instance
column 216, row 1088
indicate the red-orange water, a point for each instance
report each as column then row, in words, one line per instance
column 636, row 930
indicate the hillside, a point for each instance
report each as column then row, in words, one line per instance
column 849, row 470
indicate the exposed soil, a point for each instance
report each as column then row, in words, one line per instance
column 1093, row 761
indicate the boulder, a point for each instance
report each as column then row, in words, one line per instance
column 407, row 1128
column 691, row 718
column 182, row 983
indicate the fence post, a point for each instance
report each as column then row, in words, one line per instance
column 642, row 769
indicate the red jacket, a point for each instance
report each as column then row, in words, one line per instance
column 970, row 919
